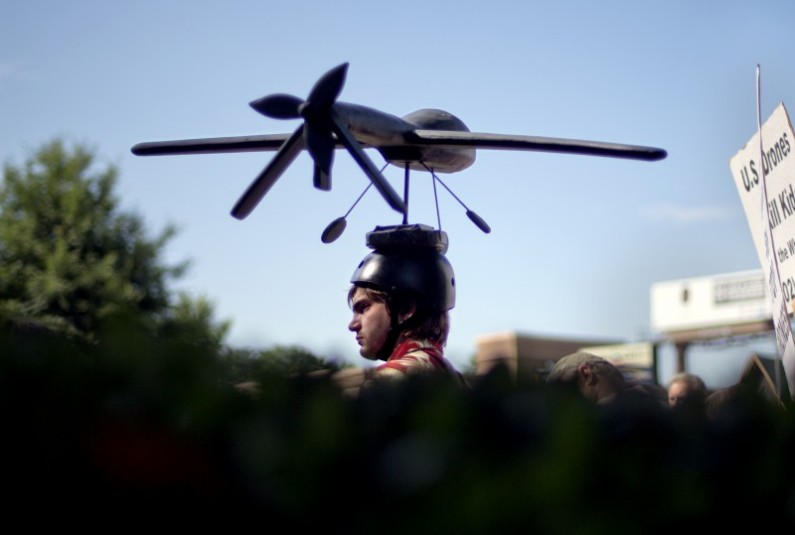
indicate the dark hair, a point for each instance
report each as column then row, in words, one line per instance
column 565, row 369
column 696, row 388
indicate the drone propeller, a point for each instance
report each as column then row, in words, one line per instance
column 257, row 189
column 317, row 135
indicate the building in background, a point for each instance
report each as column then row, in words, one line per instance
column 704, row 309
column 526, row 356
column 726, row 310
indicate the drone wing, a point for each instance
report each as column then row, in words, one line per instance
column 211, row 145
column 449, row 138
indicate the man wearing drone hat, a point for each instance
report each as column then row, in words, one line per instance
column 401, row 294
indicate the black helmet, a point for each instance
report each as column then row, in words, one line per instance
column 421, row 270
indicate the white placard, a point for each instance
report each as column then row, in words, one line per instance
column 764, row 174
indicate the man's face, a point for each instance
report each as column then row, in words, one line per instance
column 370, row 322
column 677, row 394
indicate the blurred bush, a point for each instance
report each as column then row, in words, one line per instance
column 147, row 428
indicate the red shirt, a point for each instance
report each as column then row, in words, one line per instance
column 415, row 356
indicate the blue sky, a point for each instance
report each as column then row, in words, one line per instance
column 576, row 241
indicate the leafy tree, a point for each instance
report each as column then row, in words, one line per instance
column 74, row 265
column 193, row 319
column 70, row 258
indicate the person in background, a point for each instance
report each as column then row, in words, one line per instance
column 741, row 403
column 687, row 390
column 597, row 379
column 624, row 406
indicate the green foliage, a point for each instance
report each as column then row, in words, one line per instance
column 73, row 264
column 72, row 260
column 193, row 318
column 248, row 365
column 144, row 428
column 69, row 257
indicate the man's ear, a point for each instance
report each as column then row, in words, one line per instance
column 587, row 374
column 406, row 314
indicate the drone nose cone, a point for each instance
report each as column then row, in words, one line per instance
column 278, row 106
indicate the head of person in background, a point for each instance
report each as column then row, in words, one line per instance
column 597, row 379
column 686, row 390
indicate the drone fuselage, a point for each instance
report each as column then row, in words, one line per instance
column 393, row 137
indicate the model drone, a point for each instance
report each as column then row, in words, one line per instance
column 428, row 140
